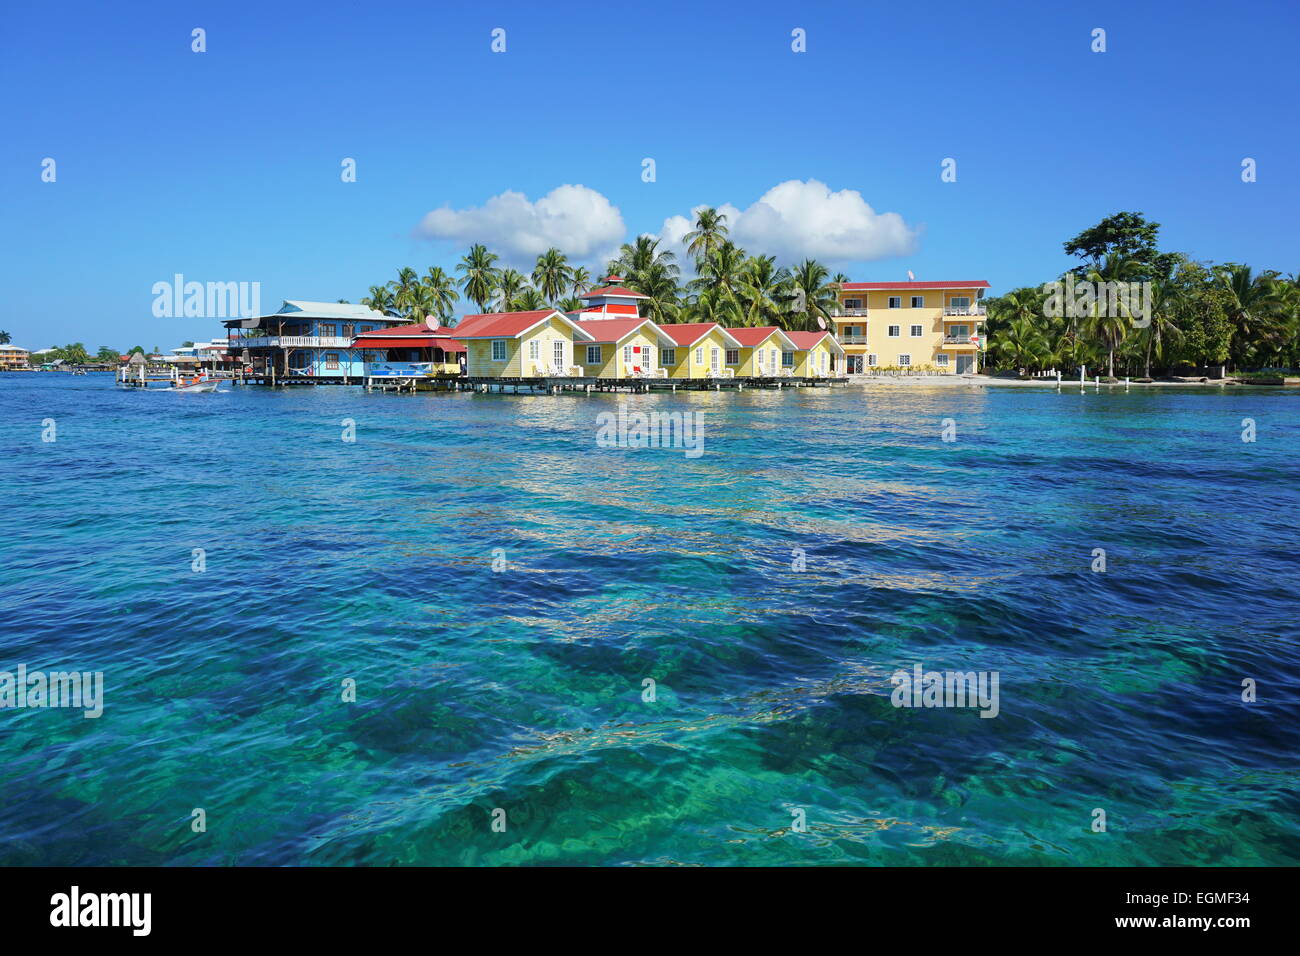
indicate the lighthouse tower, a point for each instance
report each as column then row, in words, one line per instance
column 610, row 301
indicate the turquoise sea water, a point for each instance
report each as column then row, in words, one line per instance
column 521, row 689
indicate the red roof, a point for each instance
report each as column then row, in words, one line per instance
column 418, row 329
column 614, row 308
column 615, row 290
column 751, row 337
column 504, row 325
column 689, row 333
column 611, row 330
column 425, row 342
column 806, row 340
column 966, row 284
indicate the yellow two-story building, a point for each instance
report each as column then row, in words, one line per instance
column 931, row 326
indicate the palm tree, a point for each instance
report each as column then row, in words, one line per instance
column 571, row 304
column 810, row 287
column 509, row 285
column 579, row 282
column 1022, row 344
column 658, row 280
column 481, row 274
column 552, row 274
column 719, row 273
column 442, row 294
column 764, row 292
column 640, row 254
column 4, row 338
column 1110, row 327
column 75, row 354
column 709, row 233
column 380, row 298
column 529, row 300
column 1254, row 306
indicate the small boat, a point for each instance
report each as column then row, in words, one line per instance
column 198, row 385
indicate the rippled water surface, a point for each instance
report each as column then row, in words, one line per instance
column 523, row 689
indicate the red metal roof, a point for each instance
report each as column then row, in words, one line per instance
column 614, row 308
column 806, row 340
column 904, row 286
column 426, row 342
column 750, row 337
column 499, row 324
column 689, row 333
column 614, row 290
column 418, row 329
column 611, row 330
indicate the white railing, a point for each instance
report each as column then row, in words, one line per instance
column 970, row 311
column 851, row 339
column 293, row 342
column 958, row 340
column 857, row 313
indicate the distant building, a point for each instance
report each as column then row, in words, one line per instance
column 12, row 357
column 312, row 341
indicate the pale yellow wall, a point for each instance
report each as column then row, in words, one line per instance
column 808, row 362
column 923, row 349
column 749, row 366
column 519, row 361
column 698, row 361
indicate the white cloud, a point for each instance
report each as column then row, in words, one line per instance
column 796, row 219
column 578, row 221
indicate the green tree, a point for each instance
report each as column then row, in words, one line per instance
column 109, row 355
column 481, row 274
column 528, row 300
column 552, row 274
column 4, row 338
column 709, row 233
column 1126, row 236
column 441, row 294
column 812, row 296
column 380, row 298
column 509, row 285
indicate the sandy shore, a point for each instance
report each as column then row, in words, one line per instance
column 971, row 381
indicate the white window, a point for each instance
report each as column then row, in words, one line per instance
column 894, row 331
column 533, row 352
column 824, row 361
column 714, row 355
column 499, row 350
column 787, row 359
column 699, row 356
column 627, row 356
column 941, row 360
column 593, row 354
column 871, row 360
column 733, row 356
column 918, row 302
column 558, row 353
column 669, row 356
column 772, row 354
column 895, row 301
column 905, row 360
column 917, row 331
column 758, row 355
column 647, row 356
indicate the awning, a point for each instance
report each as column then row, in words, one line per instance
column 447, row 345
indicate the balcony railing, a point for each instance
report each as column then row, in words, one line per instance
column 292, row 342
column 856, row 313
column 958, row 340
column 851, row 339
column 978, row 312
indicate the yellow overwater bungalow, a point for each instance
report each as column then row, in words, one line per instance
column 817, row 355
column 765, row 351
column 622, row 348
column 699, row 350
column 521, row 345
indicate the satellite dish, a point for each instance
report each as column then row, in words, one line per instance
column 821, row 323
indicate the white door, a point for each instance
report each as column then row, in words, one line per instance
column 559, row 354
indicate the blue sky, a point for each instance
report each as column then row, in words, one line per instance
column 225, row 165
